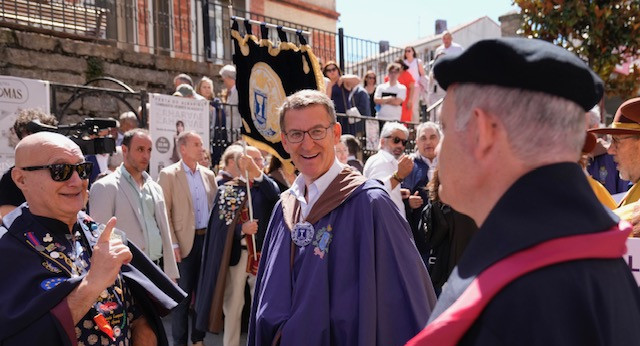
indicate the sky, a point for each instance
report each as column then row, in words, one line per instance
column 403, row 21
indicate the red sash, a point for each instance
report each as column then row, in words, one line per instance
column 453, row 323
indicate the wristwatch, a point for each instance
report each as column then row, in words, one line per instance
column 396, row 177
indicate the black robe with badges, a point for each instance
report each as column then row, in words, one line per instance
column 33, row 308
column 583, row 302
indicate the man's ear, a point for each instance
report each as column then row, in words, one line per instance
column 486, row 131
column 337, row 132
column 18, row 178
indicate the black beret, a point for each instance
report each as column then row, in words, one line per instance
column 521, row 63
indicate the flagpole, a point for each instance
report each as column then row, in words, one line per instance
column 253, row 236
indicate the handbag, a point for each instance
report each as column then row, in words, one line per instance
column 353, row 111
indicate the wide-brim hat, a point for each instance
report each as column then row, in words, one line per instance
column 590, row 141
column 626, row 120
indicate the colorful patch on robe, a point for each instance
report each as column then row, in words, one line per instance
column 49, row 284
column 229, row 201
column 322, row 241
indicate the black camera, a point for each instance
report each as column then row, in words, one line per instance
column 85, row 134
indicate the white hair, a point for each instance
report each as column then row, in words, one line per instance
column 593, row 117
column 388, row 129
column 538, row 125
column 429, row 125
column 228, row 71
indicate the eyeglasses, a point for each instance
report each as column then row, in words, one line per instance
column 397, row 140
column 330, row 69
column 616, row 140
column 316, row 133
column 64, row 171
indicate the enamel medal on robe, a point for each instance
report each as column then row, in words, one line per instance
column 302, row 233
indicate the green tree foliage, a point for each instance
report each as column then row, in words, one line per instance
column 603, row 33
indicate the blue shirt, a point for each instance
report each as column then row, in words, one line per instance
column 198, row 196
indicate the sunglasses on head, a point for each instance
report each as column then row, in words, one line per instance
column 397, row 140
column 64, row 171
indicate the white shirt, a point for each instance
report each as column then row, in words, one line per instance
column 381, row 166
column 316, row 189
column 432, row 165
column 389, row 111
column 454, row 48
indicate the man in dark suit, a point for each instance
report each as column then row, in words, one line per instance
column 424, row 164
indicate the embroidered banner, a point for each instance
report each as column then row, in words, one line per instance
column 265, row 76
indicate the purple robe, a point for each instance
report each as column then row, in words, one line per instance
column 360, row 282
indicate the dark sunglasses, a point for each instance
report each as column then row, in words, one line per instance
column 397, row 140
column 370, row 77
column 64, row 171
column 331, row 69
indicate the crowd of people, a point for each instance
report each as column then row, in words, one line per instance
column 498, row 229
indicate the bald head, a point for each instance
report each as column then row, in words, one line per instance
column 36, row 148
column 60, row 200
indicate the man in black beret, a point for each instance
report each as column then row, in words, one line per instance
column 545, row 266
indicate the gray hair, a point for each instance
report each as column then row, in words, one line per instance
column 538, row 125
column 391, row 126
column 183, row 136
column 230, row 154
column 228, row 71
column 115, row 159
column 388, row 128
column 429, row 125
column 183, row 77
column 129, row 117
column 307, row 98
column 593, row 117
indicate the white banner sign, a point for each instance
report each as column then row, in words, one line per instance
column 632, row 257
column 16, row 94
column 168, row 117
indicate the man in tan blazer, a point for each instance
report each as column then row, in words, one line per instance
column 189, row 189
column 137, row 201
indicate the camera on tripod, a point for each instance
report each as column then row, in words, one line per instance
column 86, row 134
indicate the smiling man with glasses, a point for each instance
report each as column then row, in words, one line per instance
column 338, row 264
column 81, row 277
column 625, row 146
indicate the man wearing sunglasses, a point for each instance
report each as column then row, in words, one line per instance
column 390, row 165
column 71, row 281
column 338, row 265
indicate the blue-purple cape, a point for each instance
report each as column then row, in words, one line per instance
column 34, row 313
column 360, row 282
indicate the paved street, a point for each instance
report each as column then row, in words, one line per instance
column 210, row 340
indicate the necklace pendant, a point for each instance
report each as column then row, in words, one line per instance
column 302, row 233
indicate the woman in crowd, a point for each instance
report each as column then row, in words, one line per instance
column 370, row 87
column 338, row 90
column 205, row 88
column 407, row 80
column 416, row 69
